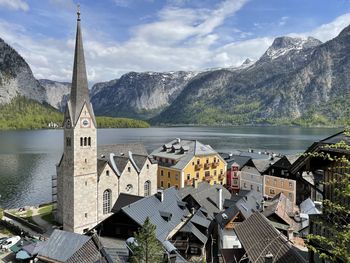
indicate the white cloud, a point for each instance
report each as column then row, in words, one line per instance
column 179, row 39
column 330, row 30
column 15, row 4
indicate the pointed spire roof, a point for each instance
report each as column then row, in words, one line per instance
column 79, row 92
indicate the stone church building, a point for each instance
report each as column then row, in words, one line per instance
column 90, row 178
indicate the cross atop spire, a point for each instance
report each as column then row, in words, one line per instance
column 78, row 12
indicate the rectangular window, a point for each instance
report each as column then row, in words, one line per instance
column 197, row 174
column 235, row 182
column 168, row 185
column 207, row 160
column 234, row 174
column 214, row 172
column 290, row 184
column 221, row 172
column 258, row 188
column 85, row 215
column 161, row 172
column 245, row 185
column 207, row 173
column 188, row 176
column 251, row 187
column 198, row 161
column 161, row 184
column 272, row 191
column 168, row 174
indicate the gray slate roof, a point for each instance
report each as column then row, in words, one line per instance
column 124, row 200
column 308, row 207
column 250, row 203
column 117, row 149
column 206, row 196
column 151, row 206
column 259, row 237
column 234, row 158
column 172, row 150
column 191, row 228
column 70, row 247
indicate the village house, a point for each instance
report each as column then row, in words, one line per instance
column 309, row 164
column 188, row 162
column 264, row 243
column 234, row 165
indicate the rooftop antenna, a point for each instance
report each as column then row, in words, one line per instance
column 78, row 11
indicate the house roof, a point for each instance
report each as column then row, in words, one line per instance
column 238, row 159
column 191, row 228
column 124, row 200
column 206, row 196
column 259, row 237
column 226, row 216
column 250, row 203
column 308, row 207
column 182, row 151
column 282, row 207
column 317, row 146
column 151, row 206
column 118, row 149
column 70, row 247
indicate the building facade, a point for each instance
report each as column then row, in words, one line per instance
column 188, row 162
column 86, row 186
column 275, row 185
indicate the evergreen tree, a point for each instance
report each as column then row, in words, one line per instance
column 147, row 248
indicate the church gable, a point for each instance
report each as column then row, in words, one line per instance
column 86, row 118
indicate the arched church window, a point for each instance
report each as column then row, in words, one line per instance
column 81, row 141
column 85, row 141
column 89, row 141
column 147, row 188
column 107, row 195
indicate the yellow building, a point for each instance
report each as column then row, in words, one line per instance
column 188, row 162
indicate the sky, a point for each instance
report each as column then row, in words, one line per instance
column 159, row 35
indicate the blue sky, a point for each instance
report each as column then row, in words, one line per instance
column 159, row 35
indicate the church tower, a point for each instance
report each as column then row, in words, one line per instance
column 77, row 170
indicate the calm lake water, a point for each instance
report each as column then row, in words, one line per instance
column 28, row 158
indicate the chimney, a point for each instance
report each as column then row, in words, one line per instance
column 220, row 199
column 290, row 234
column 262, row 205
column 268, row 258
column 160, row 195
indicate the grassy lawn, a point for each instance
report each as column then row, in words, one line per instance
column 45, row 209
column 47, row 215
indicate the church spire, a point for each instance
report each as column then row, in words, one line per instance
column 79, row 91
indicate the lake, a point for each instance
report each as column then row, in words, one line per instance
column 28, row 158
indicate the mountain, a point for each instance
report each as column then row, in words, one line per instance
column 57, row 93
column 298, row 81
column 138, row 95
column 16, row 77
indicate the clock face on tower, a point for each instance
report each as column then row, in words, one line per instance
column 85, row 122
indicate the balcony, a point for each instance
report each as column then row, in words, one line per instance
column 198, row 166
column 206, row 166
column 221, row 177
column 215, row 164
column 188, row 182
column 207, row 178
